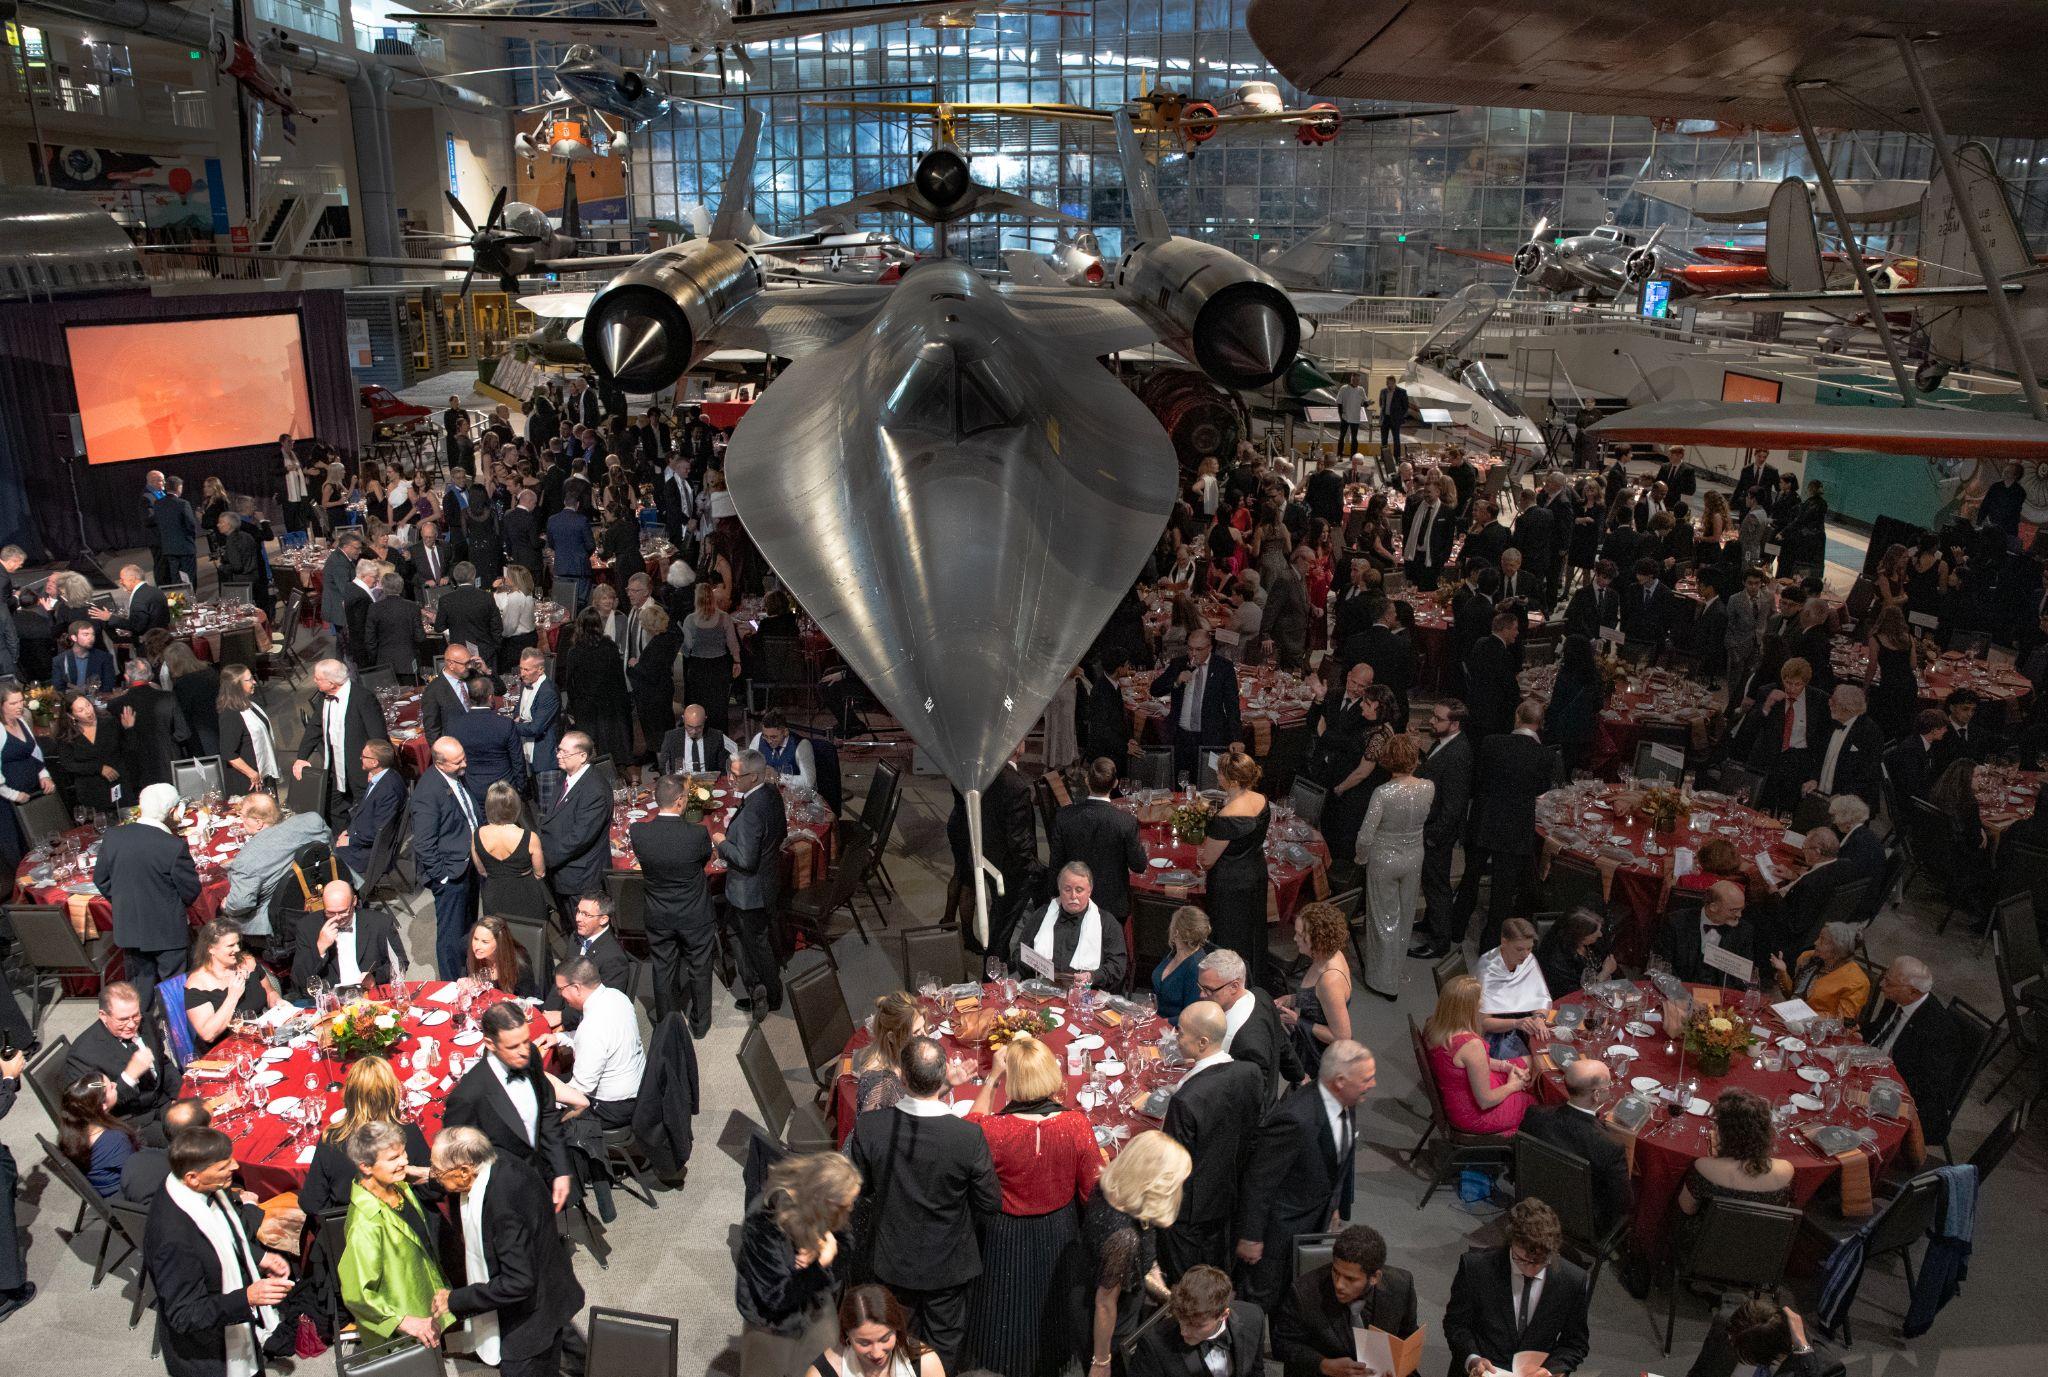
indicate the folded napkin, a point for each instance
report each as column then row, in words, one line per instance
column 1855, row 1183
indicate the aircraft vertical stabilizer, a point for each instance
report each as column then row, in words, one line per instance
column 1945, row 248
column 1791, row 244
column 734, row 202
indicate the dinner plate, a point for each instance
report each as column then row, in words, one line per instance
column 1623, row 1049
column 1087, row 1042
column 1160, row 862
column 272, row 1077
column 1653, row 1016
column 282, row 1105
column 277, row 1054
column 636, row 814
column 1110, row 1066
column 468, row 1039
column 962, row 1108
column 718, row 793
column 1641, row 1030
column 1814, row 1074
column 1805, row 1102
column 1056, row 1018
column 1644, row 1083
column 1792, row 1044
column 433, row 1018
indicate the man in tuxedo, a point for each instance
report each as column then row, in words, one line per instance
column 1103, row 837
column 489, row 740
column 1491, row 689
column 575, row 827
column 1850, row 761
column 447, row 693
column 1353, row 606
column 1387, row 647
column 1487, row 540
column 469, row 615
column 128, row 1050
column 1448, row 765
column 393, row 632
column 1910, row 763
column 1210, row 1335
column 1757, row 475
column 152, row 726
column 337, row 571
column 1575, row 1127
column 519, row 1291
column 241, row 559
column 1595, row 604
column 1525, row 1296
column 346, row 716
column 521, row 533
column 682, row 926
column 537, row 715
column 145, row 871
column 1393, row 404
column 1762, row 1337
column 1805, row 901
column 444, row 823
column 583, row 408
column 179, row 529
column 751, row 846
column 676, row 498
column 1647, row 611
column 351, row 945
column 1472, row 607
column 690, row 749
column 1323, row 494
column 1303, row 1162
column 1072, row 933
column 1428, row 529
column 360, row 594
column 217, row 1288
column 1682, row 938
column 1536, row 536
column 1252, row 1029
column 1214, row 1114
column 508, row 1096
column 1922, row 1038
column 82, row 664
column 1966, row 738
column 927, row 1177
column 143, row 608
column 1355, row 1289
column 429, row 558
column 1517, row 769
column 381, row 805
column 1203, row 703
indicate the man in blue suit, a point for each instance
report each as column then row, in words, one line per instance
column 82, row 664
column 569, row 537
column 538, row 719
column 575, row 824
column 444, row 822
column 1204, row 709
column 489, row 740
column 383, row 799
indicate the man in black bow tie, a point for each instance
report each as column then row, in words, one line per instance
column 1210, row 1334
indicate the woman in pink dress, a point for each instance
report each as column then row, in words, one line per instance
column 1481, row 1094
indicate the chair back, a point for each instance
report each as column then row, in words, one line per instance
column 1423, row 1069
column 238, row 592
column 1562, row 1180
column 378, row 677
column 1908, row 1217
column 170, row 1016
column 2017, row 929
column 48, row 941
column 532, row 937
column 930, row 950
column 1154, row 767
column 1810, row 812
column 1348, row 902
column 45, row 1074
column 765, row 1079
column 1743, row 1243
column 822, row 1018
column 42, row 818
column 1737, row 782
column 306, row 793
column 1312, row 1251
column 1974, row 1035
column 74, row 1180
column 196, row 777
column 1308, row 798
column 1992, row 1150
column 626, row 1344
column 1651, row 766
column 881, row 797
column 1151, row 920
column 1851, row 903
column 1572, row 884
column 628, row 889
column 1449, row 968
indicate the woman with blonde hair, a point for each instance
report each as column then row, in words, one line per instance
column 710, row 657
column 789, row 1266
column 653, row 674
column 1046, row 1158
column 1234, row 854
column 1481, row 1094
column 370, row 1093
column 1176, row 980
column 897, row 1020
column 1389, row 847
column 516, row 607
column 1137, row 1197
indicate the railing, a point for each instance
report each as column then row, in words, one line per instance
column 398, row 40
column 157, row 103
column 306, row 18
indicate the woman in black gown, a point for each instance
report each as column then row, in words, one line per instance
column 1894, row 687
column 507, row 854
column 653, row 675
column 1234, row 854
column 223, row 985
column 88, row 754
column 23, row 772
column 1118, row 1254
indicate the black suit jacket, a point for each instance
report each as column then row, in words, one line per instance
column 1858, row 769
column 575, row 836
column 374, row 934
column 1114, row 963
column 1448, row 765
column 1103, row 837
column 1161, row 1352
column 441, row 834
column 1579, row 1133
column 1929, row 1058
column 1310, row 1325
column 1646, row 616
column 492, row 745
column 925, row 1181
column 1220, row 708
column 193, row 1311
column 1517, row 770
column 356, row 603
column 614, row 965
column 1491, row 691
column 95, row 1051
column 440, row 702
column 532, row 1285
column 392, row 633
column 148, row 609
column 1215, row 1115
column 1433, row 552
column 1481, row 1315
column 1263, row 1041
column 1590, row 609
column 148, row 877
column 479, row 1101
column 521, row 534
column 469, row 615
column 675, row 747
column 673, row 852
column 363, row 720
column 1324, row 496
column 1391, row 654
column 148, row 747
column 753, row 850
column 1677, row 939
column 1910, row 767
column 376, row 808
column 1296, row 1177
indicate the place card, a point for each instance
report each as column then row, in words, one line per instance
column 1721, row 959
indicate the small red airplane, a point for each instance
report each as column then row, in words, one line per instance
column 238, row 60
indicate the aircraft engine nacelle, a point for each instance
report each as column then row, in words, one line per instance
column 656, row 319
column 1198, row 121
column 1313, row 132
column 1230, row 319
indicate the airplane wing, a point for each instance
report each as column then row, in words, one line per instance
column 1028, row 269
column 1506, row 260
column 790, row 322
column 1086, row 321
column 558, row 305
column 1328, row 116
column 1932, row 432
column 1850, row 299
column 963, row 107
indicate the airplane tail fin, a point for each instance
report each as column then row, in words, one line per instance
column 1141, row 184
column 699, row 218
column 1306, row 262
column 1945, row 249
column 734, row 217
column 572, row 210
column 1791, row 243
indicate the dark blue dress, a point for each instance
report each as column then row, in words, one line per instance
column 21, row 769
column 1175, row 992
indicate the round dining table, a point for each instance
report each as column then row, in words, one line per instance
column 2006, row 795
column 1640, row 703
column 1434, row 668
column 204, row 625
column 1265, row 694
column 1667, row 1145
column 1949, row 671
column 656, row 553
column 806, row 849
column 1297, row 856
column 1596, row 822
column 273, row 1101
column 1120, row 1059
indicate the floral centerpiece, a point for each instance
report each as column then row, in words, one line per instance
column 42, row 708
column 1190, row 822
column 365, row 1028
column 1613, row 672
column 1664, row 806
column 178, row 602
column 1022, row 1024
column 697, row 801
column 1714, row 1039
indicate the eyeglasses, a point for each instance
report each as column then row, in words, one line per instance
column 1214, row 989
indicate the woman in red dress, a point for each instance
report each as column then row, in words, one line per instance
column 1045, row 1156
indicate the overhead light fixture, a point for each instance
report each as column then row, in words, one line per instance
column 1811, row 84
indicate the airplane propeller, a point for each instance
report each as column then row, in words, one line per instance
column 487, row 245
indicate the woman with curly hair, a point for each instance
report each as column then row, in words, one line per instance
column 1318, row 1013
column 1741, row 1166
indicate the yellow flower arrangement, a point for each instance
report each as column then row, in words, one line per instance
column 1009, row 1027
column 1715, row 1039
column 698, row 803
column 365, row 1027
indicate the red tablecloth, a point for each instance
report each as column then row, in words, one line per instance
column 1951, row 671
column 1266, row 694
column 306, row 563
column 656, row 554
column 1666, row 1147
column 2006, row 796
column 803, row 865
column 35, row 885
column 1590, row 824
column 1124, row 1041
column 1433, row 667
column 269, row 1150
column 1290, row 881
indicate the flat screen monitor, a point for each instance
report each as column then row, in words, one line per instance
column 1743, row 387
column 1657, row 299
column 153, row 389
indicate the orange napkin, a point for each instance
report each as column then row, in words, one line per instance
column 1319, row 879
column 1262, row 736
column 846, row 1064
column 1058, row 787
column 1627, row 1138
column 1272, row 902
column 79, row 907
column 1855, row 1183
column 1175, row 891
column 1916, row 1138
column 1109, row 1016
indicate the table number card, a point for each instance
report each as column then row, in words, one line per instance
column 1721, row 959
column 1028, row 954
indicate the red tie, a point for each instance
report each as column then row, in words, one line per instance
column 565, row 783
column 1787, row 743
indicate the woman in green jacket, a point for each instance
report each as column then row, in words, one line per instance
column 388, row 1269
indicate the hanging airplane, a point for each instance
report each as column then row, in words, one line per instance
column 589, row 89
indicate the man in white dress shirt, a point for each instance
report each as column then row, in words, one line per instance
column 604, row 1088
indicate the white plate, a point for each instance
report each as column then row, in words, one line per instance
column 282, row 1105
column 1792, row 1044
column 1814, row 1074
column 718, row 793
column 1653, row 1016
column 1698, row 1106
column 1805, row 1102
column 268, row 1078
column 1058, row 1019
column 1624, row 1049
column 1645, row 1083
column 1641, row 1030
column 1160, row 862
column 433, row 1018
column 1087, row 1042
column 277, row 1054
column 468, row 1039
column 1110, row 1066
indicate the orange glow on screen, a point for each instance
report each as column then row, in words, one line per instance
column 1741, row 387
column 185, row 386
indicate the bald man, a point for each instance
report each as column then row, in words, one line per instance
column 1214, row 1114
column 1574, row 1127
column 350, row 945
column 1683, row 938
